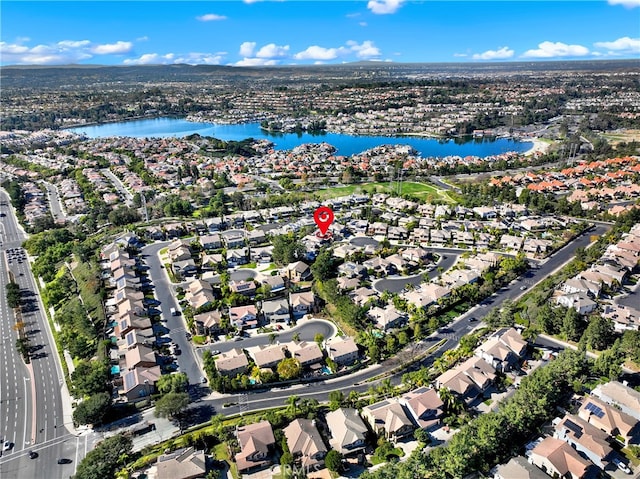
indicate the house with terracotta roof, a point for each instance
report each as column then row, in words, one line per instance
column 558, row 459
column 343, row 351
column 518, row 468
column 306, row 352
column 243, row 317
column 621, row 396
column 424, row 407
column 208, row 323
column 185, row 463
column 388, row 418
column 305, row 443
column 585, row 438
column 348, row 432
column 609, row 419
column 257, row 445
column 231, row 363
column 267, row 356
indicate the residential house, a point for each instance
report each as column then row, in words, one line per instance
column 581, row 303
column 424, row 407
column 504, row 350
column 388, row 317
column 518, row 468
column 621, row 396
column 306, row 352
column 361, row 295
column 558, row 459
column 246, row 288
column 416, row 255
column 184, row 268
column 184, row 463
column 267, row 356
column 467, row 380
column 625, row 318
column 257, row 445
column 302, row 303
column 609, row 419
column 298, row 271
column 347, row 284
column 140, row 356
column 208, row 323
column 237, row 257
column 233, row 238
column 275, row 310
column 128, row 322
column 389, row 419
column 584, row 438
column 140, row 382
column 231, row 363
column 305, row 443
column 348, row 432
column 580, row 285
column 199, row 294
column 244, row 317
column 343, row 351
column 352, row 270
column 510, row 242
column 275, row 283
column 256, row 237
column 210, row 242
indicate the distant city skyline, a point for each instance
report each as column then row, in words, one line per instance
column 255, row 32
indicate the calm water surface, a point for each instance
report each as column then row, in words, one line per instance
column 346, row 144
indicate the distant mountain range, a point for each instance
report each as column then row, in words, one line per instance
column 36, row 76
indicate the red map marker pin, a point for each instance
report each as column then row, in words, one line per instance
column 323, row 217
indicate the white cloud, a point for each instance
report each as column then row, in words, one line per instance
column 211, row 17
column 624, row 44
column 500, row 54
column 363, row 24
column 273, row 51
column 63, row 52
column 255, row 62
column 73, row 44
column 112, row 48
column 315, row 52
column 365, row 50
column 462, row 55
column 625, row 3
column 557, row 49
column 246, row 49
column 142, row 39
column 384, row 7
column 150, row 59
column 193, row 58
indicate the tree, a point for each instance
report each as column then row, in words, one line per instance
column 318, row 339
column 107, row 457
column 92, row 410
column 89, row 378
column 599, row 333
column 323, row 267
column 333, row 461
column 174, row 383
column 287, row 249
column 292, row 404
column 336, row 398
column 289, row 368
column 171, row 404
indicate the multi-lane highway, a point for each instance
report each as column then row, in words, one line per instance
column 32, row 415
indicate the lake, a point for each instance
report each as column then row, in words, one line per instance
column 346, row 144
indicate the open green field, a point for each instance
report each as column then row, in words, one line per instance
column 421, row 191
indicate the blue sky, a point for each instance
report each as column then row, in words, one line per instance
column 255, row 32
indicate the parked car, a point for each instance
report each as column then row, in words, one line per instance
column 33, row 454
column 6, row 446
column 621, row 465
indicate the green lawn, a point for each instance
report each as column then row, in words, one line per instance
column 408, row 188
column 221, row 452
